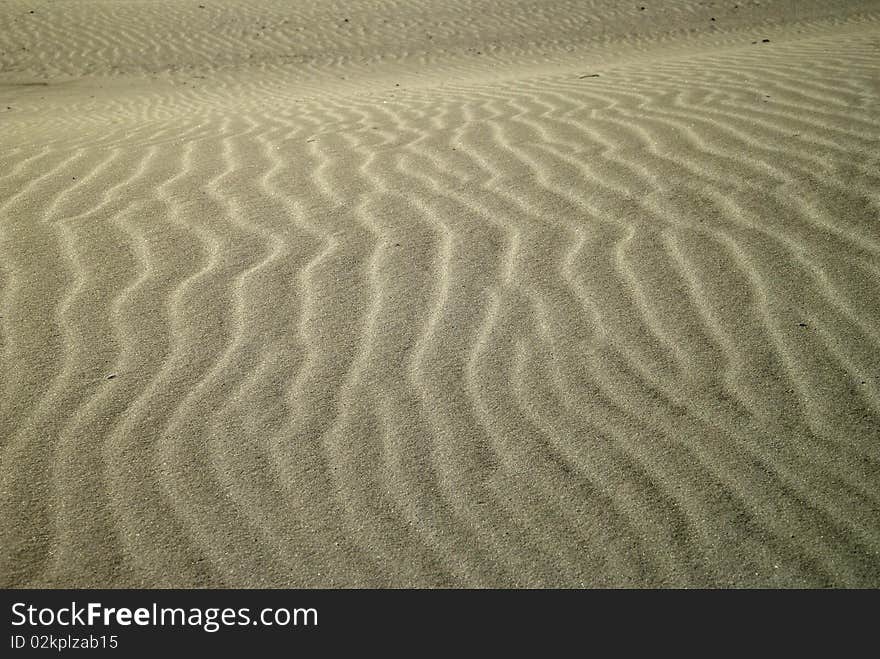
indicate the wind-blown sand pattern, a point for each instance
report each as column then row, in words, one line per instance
column 385, row 293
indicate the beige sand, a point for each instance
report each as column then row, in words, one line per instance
column 459, row 293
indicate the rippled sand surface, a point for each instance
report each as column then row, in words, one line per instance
column 383, row 293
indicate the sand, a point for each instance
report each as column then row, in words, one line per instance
column 427, row 294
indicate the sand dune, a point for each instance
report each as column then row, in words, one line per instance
column 385, row 293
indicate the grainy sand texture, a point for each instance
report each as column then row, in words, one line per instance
column 386, row 293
